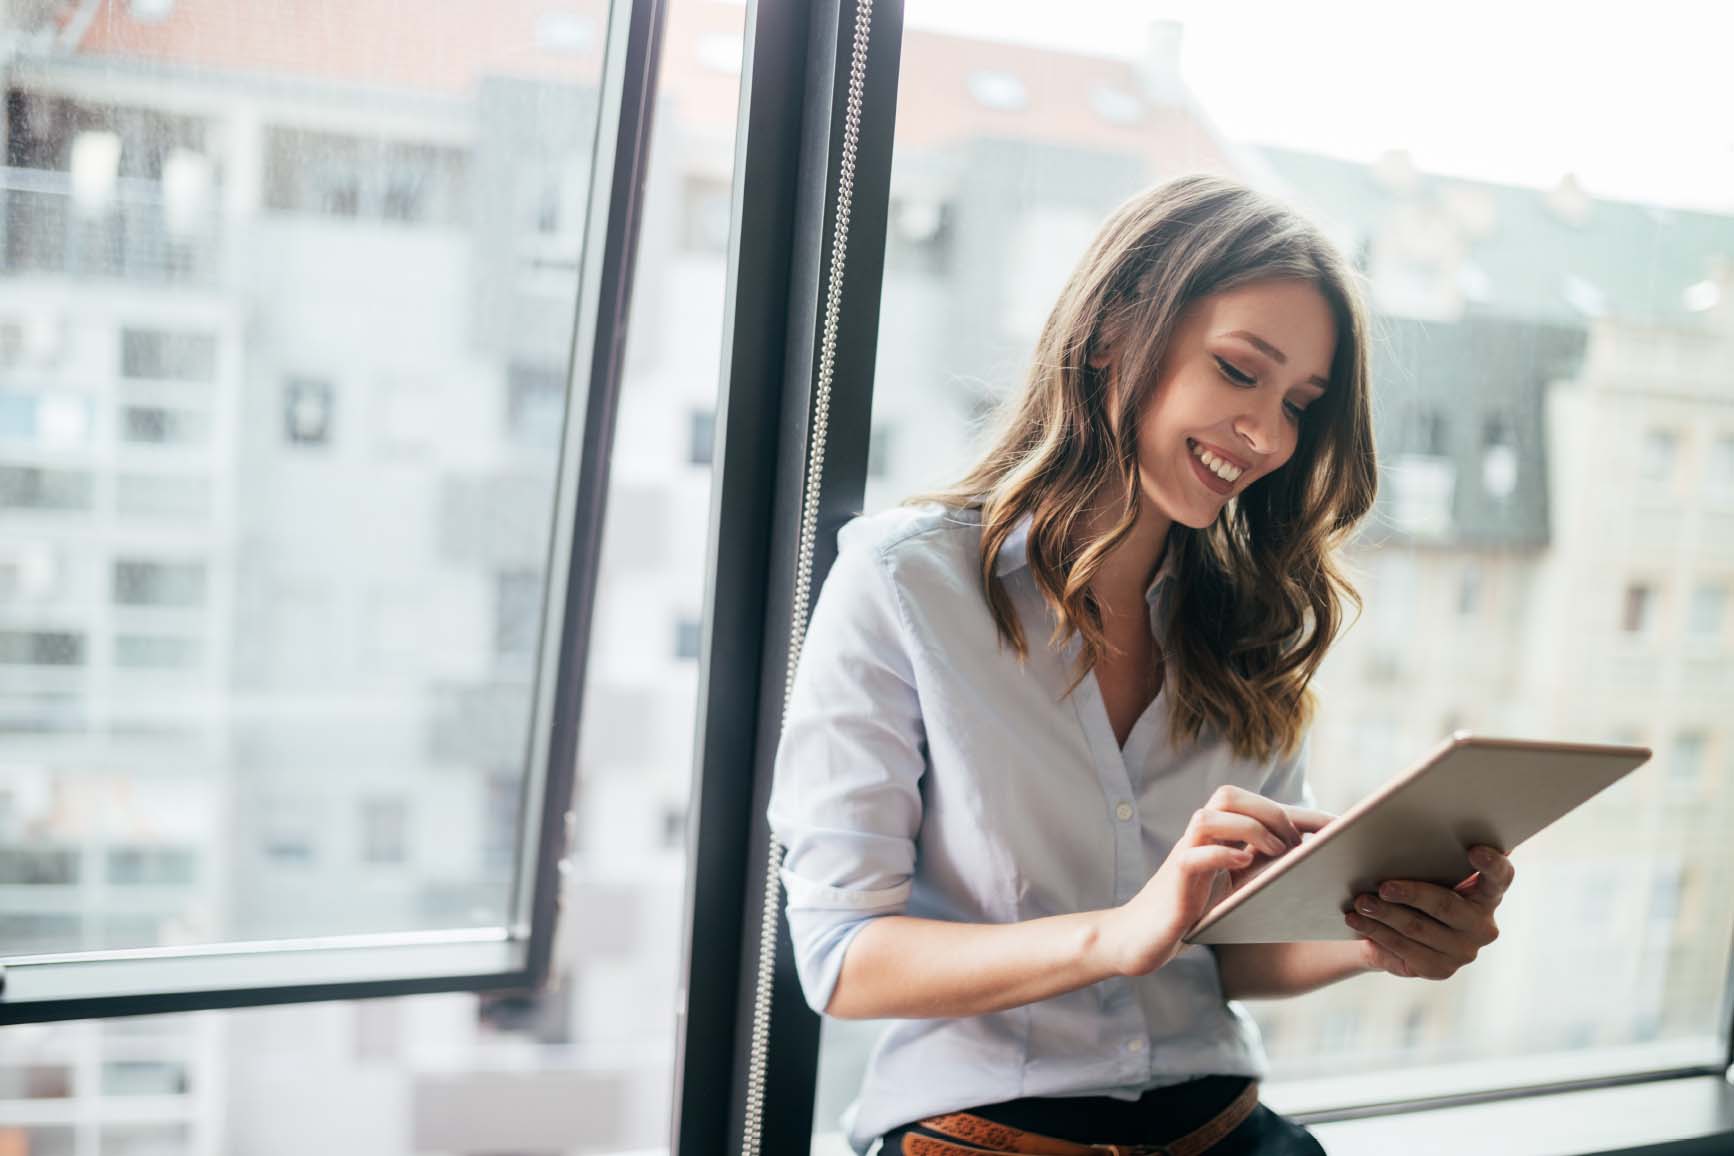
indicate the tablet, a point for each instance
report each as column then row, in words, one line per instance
column 1469, row 790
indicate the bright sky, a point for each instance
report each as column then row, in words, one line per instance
column 1638, row 103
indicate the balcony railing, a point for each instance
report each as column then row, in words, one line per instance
column 136, row 235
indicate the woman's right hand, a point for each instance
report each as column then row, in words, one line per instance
column 1237, row 831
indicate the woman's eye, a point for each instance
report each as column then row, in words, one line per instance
column 1241, row 379
column 1232, row 373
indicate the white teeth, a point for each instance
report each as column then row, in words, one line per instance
column 1216, row 465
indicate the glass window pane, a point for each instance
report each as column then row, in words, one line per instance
column 440, row 428
column 282, row 377
column 1550, row 406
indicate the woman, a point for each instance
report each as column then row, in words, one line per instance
column 1089, row 658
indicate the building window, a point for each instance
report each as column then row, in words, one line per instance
column 1422, row 492
column 334, row 175
column 1640, row 608
column 1414, row 1026
column 1469, row 589
column 686, row 638
column 21, row 1081
column 43, row 131
column 153, row 354
column 701, row 436
column 1665, row 892
column 673, row 826
column 402, row 199
column 33, row 488
column 1430, row 433
column 46, row 420
column 144, row 1078
column 38, row 866
column 517, row 614
column 46, row 713
column 159, row 583
column 307, row 406
column 1660, row 448
column 535, row 404
column 384, row 830
column 288, row 837
column 17, row 416
column 155, row 652
column 1686, row 762
column 545, row 215
column 1704, row 615
column 152, row 866
column 1499, row 458
column 881, row 449
column 42, row 647
column 158, row 425
column 1722, row 464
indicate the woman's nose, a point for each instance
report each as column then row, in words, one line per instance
column 1259, row 428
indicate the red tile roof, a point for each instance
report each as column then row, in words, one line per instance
column 446, row 45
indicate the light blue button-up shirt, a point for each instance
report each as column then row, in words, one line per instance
column 924, row 772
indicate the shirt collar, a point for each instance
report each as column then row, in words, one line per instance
column 1014, row 554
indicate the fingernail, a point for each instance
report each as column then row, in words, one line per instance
column 1392, row 891
column 1478, row 857
column 1365, row 905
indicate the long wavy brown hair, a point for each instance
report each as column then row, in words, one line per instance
column 1259, row 594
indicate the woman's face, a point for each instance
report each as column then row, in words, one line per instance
column 1236, row 379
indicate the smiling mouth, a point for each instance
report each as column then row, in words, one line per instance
column 1216, row 473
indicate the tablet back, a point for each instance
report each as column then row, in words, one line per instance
column 1469, row 790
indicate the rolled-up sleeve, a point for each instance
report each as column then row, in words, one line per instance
column 1287, row 781
column 845, row 797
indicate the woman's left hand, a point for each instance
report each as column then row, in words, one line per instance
column 1415, row 929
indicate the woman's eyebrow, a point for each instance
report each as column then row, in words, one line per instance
column 1273, row 353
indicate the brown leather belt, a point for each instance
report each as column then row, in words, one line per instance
column 977, row 1134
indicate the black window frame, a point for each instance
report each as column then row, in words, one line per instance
column 793, row 322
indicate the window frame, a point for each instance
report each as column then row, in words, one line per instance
column 747, row 1046
column 739, row 1008
column 517, row 956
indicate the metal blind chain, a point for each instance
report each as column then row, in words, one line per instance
column 760, row 1047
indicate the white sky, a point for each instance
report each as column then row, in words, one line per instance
column 1638, row 103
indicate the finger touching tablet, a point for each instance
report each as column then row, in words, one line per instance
column 1470, row 789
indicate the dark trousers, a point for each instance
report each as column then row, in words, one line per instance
column 1157, row 1117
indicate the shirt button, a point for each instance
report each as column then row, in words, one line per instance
column 1135, row 1046
column 1124, row 811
